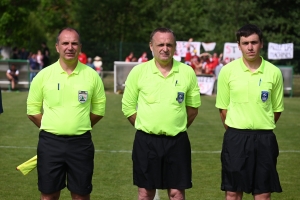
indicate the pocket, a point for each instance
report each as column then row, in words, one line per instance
column 239, row 91
column 151, row 94
column 52, row 95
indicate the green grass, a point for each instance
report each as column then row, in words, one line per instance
column 113, row 138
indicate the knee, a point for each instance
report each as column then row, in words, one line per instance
column 53, row 196
column 175, row 194
column 145, row 194
column 233, row 195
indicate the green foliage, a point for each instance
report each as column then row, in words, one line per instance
column 14, row 20
column 106, row 25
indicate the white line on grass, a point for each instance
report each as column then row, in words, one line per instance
column 126, row 151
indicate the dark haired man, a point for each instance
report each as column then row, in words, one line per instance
column 250, row 101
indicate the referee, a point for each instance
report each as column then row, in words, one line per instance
column 250, row 100
column 65, row 101
column 161, row 101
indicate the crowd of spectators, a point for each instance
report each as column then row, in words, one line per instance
column 95, row 63
column 132, row 58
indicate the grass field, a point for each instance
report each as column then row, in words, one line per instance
column 113, row 137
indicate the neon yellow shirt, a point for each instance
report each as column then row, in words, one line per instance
column 67, row 100
column 160, row 102
column 250, row 98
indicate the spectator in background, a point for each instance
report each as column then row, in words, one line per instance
column 46, row 55
column 194, row 59
column 23, row 54
column 39, row 59
column 82, row 57
column 216, row 59
column 34, row 66
column 98, row 65
column 90, row 63
column 12, row 75
column 143, row 58
column 15, row 53
column 198, row 63
column 216, row 72
column 129, row 57
column 134, row 59
column 188, row 54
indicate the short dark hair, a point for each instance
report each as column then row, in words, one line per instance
column 162, row 30
column 69, row 29
column 248, row 30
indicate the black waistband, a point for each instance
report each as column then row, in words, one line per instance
column 160, row 135
column 252, row 130
column 88, row 133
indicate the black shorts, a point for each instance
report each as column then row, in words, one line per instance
column 65, row 157
column 249, row 159
column 162, row 162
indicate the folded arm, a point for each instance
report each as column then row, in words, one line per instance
column 95, row 119
column 191, row 115
column 36, row 119
column 223, row 114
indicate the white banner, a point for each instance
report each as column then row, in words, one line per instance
column 231, row 52
column 206, row 84
column 280, row 51
column 209, row 46
column 181, row 48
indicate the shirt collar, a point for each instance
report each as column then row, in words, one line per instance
column 76, row 70
column 259, row 70
column 175, row 67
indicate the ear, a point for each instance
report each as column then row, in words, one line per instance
column 151, row 46
column 238, row 42
column 56, row 46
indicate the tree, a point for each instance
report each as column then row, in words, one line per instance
column 14, row 21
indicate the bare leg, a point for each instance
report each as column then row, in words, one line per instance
column 145, row 194
column 175, row 194
column 13, row 84
column 233, row 195
column 80, row 197
column 263, row 196
column 52, row 196
column 11, row 79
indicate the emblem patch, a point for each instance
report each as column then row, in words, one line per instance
column 180, row 97
column 82, row 96
column 264, row 96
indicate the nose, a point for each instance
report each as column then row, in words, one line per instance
column 165, row 48
column 69, row 46
column 250, row 46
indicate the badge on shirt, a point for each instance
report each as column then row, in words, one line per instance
column 264, row 96
column 82, row 96
column 180, row 97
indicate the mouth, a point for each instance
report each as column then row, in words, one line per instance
column 70, row 54
column 251, row 53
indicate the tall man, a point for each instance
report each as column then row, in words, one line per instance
column 72, row 98
column 161, row 100
column 250, row 100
